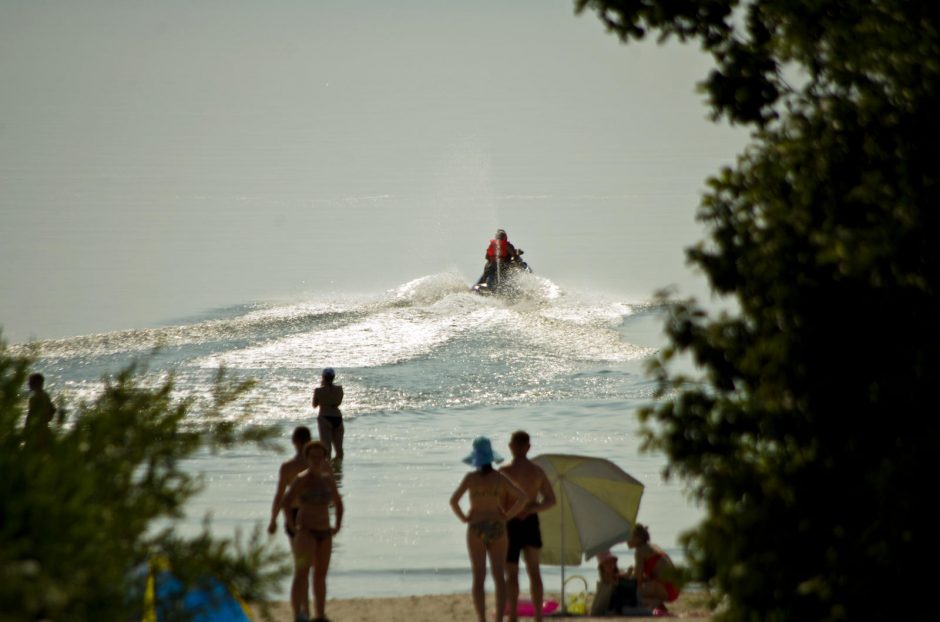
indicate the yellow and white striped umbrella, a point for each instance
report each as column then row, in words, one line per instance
column 597, row 505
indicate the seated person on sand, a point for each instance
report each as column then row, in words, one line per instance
column 654, row 571
column 621, row 592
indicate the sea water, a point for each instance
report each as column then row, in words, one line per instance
column 426, row 368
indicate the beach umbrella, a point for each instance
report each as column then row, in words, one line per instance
column 597, row 505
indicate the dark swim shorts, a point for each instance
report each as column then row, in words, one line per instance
column 522, row 533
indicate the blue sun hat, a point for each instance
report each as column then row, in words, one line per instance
column 482, row 453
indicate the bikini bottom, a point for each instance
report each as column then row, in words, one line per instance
column 488, row 530
column 320, row 534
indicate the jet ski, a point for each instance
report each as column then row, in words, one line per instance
column 499, row 276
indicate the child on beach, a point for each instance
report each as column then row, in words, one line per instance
column 486, row 522
column 312, row 492
column 616, row 590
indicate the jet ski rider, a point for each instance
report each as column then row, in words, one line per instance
column 500, row 251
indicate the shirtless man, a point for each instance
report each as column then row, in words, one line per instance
column 288, row 471
column 523, row 530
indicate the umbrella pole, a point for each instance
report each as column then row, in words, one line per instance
column 564, row 603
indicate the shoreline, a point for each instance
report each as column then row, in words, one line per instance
column 459, row 608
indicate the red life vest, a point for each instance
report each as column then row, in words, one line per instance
column 505, row 250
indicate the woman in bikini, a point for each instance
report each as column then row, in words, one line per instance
column 654, row 571
column 327, row 397
column 311, row 493
column 286, row 474
column 486, row 522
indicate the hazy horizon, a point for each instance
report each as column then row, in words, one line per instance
column 161, row 160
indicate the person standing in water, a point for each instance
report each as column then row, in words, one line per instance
column 39, row 411
column 525, row 536
column 327, row 397
column 312, row 492
column 486, row 522
column 288, row 472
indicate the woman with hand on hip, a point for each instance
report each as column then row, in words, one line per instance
column 327, row 397
column 486, row 522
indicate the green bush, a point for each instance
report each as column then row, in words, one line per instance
column 809, row 433
column 86, row 509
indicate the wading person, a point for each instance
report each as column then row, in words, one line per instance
column 39, row 412
column 486, row 522
column 327, row 397
column 525, row 537
column 312, row 492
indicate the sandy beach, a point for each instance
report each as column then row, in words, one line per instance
column 456, row 608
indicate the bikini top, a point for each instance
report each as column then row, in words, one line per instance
column 478, row 492
column 328, row 400
column 317, row 494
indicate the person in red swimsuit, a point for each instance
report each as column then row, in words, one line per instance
column 654, row 571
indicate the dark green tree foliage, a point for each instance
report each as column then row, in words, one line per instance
column 83, row 510
column 811, row 437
